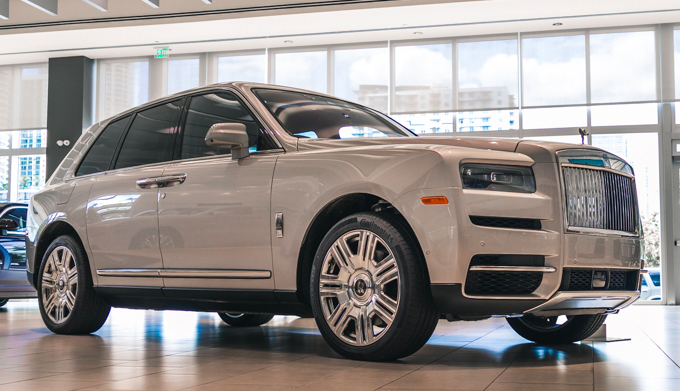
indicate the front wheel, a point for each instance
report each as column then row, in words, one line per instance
column 66, row 296
column 556, row 329
column 244, row 320
column 3, row 302
column 370, row 292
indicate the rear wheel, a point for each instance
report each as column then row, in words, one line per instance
column 370, row 293
column 556, row 329
column 245, row 320
column 68, row 302
column 3, row 302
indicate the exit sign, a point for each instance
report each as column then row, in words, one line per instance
column 162, row 52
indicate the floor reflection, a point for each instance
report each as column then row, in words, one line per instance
column 175, row 350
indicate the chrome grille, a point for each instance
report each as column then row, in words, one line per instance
column 599, row 199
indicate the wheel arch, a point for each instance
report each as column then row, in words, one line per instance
column 327, row 217
column 49, row 233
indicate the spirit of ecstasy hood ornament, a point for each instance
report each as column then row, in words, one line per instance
column 583, row 133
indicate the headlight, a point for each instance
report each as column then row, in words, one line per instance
column 498, row 177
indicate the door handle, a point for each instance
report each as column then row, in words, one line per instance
column 161, row 181
column 171, row 180
column 147, row 183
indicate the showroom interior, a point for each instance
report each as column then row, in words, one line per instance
column 539, row 70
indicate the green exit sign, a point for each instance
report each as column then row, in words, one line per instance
column 162, row 52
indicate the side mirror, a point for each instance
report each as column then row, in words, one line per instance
column 229, row 135
column 8, row 224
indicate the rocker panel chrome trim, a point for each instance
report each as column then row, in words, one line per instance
column 183, row 273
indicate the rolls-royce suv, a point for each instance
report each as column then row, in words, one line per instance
column 254, row 200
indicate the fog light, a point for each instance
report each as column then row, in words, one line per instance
column 599, row 279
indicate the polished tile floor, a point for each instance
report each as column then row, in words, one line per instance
column 147, row 350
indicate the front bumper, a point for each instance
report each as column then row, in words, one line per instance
column 450, row 300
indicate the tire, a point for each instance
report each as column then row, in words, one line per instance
column 244, row 320
column 373, row 305
column 546, row 330
column 3, row 302
column 68, row 303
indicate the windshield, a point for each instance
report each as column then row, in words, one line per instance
column 313, row 116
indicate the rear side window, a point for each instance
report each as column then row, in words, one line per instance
column 151, row 136
column 99, row 156
column 215, row 108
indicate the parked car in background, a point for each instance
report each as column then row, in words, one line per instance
column 13, row 282
column 256, row 200
column 651, row 285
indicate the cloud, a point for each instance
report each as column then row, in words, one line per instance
column 553, row 83
column 623, row 67
column 372, row 69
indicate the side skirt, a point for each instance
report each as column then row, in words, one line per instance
column 206, row 300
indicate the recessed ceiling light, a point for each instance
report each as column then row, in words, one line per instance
column 417, row 33
column 288, row 41
column 557, row 24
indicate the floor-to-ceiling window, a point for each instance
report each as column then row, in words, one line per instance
column 23, row 119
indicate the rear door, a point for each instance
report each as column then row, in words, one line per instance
column 122, row 222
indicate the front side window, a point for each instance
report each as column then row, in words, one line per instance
column 98, row 158
column 312, row 116
column 151, row 136
column 215, row 108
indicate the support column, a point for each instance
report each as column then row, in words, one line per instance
column 69, row 105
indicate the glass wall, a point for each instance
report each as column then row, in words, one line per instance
column 422, row 78
column 23, row 119
column 487, row 75
column 250, row 67
column 183, row 74
column 307, row 70
column 363, row 76
column 23, row 96
column 123, row 84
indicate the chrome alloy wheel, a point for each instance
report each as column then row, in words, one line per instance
column 359, row 287
column 59, row 284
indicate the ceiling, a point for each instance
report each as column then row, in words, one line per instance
column 78, row 29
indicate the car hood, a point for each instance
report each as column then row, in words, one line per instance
column 539, row 151
column 496, row 144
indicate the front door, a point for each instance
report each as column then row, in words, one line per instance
column 215, row 225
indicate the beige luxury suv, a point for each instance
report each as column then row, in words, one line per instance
column 254, row 200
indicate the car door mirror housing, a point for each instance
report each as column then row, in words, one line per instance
column 229, row 135
column 8, row 224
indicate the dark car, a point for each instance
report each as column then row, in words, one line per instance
column 13, row 282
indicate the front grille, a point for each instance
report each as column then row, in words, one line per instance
column 599, row 199
column 506, row 222
column 581, row 280
column 502, row 283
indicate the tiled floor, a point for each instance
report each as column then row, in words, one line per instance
column 147, row 350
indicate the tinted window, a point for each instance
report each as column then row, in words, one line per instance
column 98, row 158
column 151, row 136
column 313, row 116
column 210, row 109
